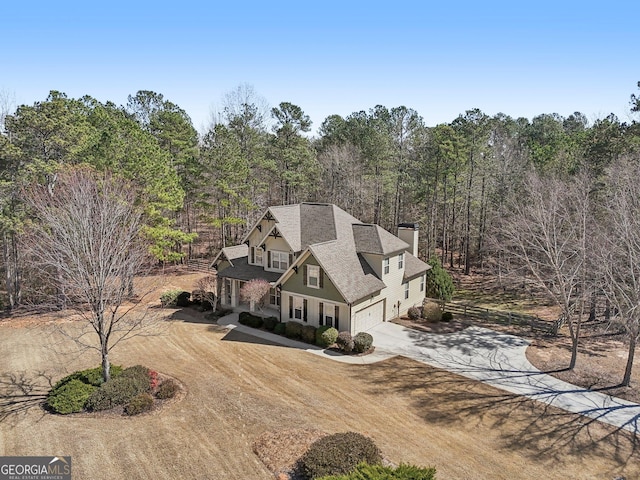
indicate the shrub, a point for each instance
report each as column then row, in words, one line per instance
column 401, row 472
column 447, row 316
column 243, row 318
column 413, row 313
column 439, row 281
column 175, row 298
column 256, row 322
column 167, row 389
column 270, row 323
column 362, row 342
column 431, row 311
column 338, row 454
column 121, row 389
column 153, row 379
column 293, row 330
column 280, row 328
column 139, row 404
column 308, row 334
column 90, row 376
column 70, row 396
column 345, row 342
column 326, row 336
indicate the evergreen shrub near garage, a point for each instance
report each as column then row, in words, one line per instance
column 362, row 342
column 345, row 342
column 413, row 313
column 447, row 316
column 279, row 329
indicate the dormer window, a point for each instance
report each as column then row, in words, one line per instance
column 385, row 265
column 401, row 261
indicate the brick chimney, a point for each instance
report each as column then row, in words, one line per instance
column 408, row 232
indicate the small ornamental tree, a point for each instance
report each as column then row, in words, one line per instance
column 208, row 288
column 439, row 281
column 254, row 292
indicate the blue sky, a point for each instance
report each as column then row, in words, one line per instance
column 331, row 57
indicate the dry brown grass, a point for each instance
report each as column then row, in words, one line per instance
column 239, row 387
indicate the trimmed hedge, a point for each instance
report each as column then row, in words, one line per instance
column 345, row 342
column 70, row 397
column 338, row 454
column 447, row 316
column 270, row 323
column 167, row 389
column 326, row 336
column 362, row 342
column 308, row 334
column 139, row 404
column 293, row 330
column 365, row 471
column 431, row 311
column 280, row 328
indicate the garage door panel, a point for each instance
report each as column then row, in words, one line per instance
column 369, row 317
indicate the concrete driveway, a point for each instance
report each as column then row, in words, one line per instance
column 499, row 360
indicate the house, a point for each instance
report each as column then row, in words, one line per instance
column 326, row 267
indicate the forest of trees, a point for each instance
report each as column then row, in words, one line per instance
column 470, row 183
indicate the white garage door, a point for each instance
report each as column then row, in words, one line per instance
column 369, row 317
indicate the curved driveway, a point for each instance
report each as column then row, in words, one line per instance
column 499, row 360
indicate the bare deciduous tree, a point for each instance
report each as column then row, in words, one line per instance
column 544, row 237
column 86, row 246
column 619, row 259
column 208, row 288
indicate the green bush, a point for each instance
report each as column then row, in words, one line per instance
column 139, row 404
column 365, row 471
column 255, row 321
column 326, row 336
column 293, row 330
column 121, row 389
column 270, row 323
column 338, row 454
column 431, row 311
column 345, row 342
column 167, row 389
column 175, row 298
column 69, row 397
column 413, row 313
column 362, row 342
column 90, row 376
column 308, row 334
column 447, row 316
column 439, row 281
column 280, row 328
column 244, row 318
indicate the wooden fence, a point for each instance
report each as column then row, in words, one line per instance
column 472, row 312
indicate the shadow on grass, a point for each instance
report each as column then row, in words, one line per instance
column 534, row 428
column 20, row 392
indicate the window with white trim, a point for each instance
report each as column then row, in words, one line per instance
column 297, row 308
column 422, row 280
column 279, row 260
column 274, row 297
column 258, row 256
column 329, row 312
column 313, row 276
column 401, row 261
column 385, row 265
column 406, row 290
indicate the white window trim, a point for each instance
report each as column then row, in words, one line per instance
column 422, row 282
column 298, row 304
column 257, row 256
column 406, row 290
column 401, row 261
column 329, row 307
column 280, row 254
column 385, row 266
column 313, row 271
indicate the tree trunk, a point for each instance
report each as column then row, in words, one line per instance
column 627, row 370
column 106, row 366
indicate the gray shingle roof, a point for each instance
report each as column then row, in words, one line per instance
column 375, row 239
column 413, row 267
column 241, row 270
